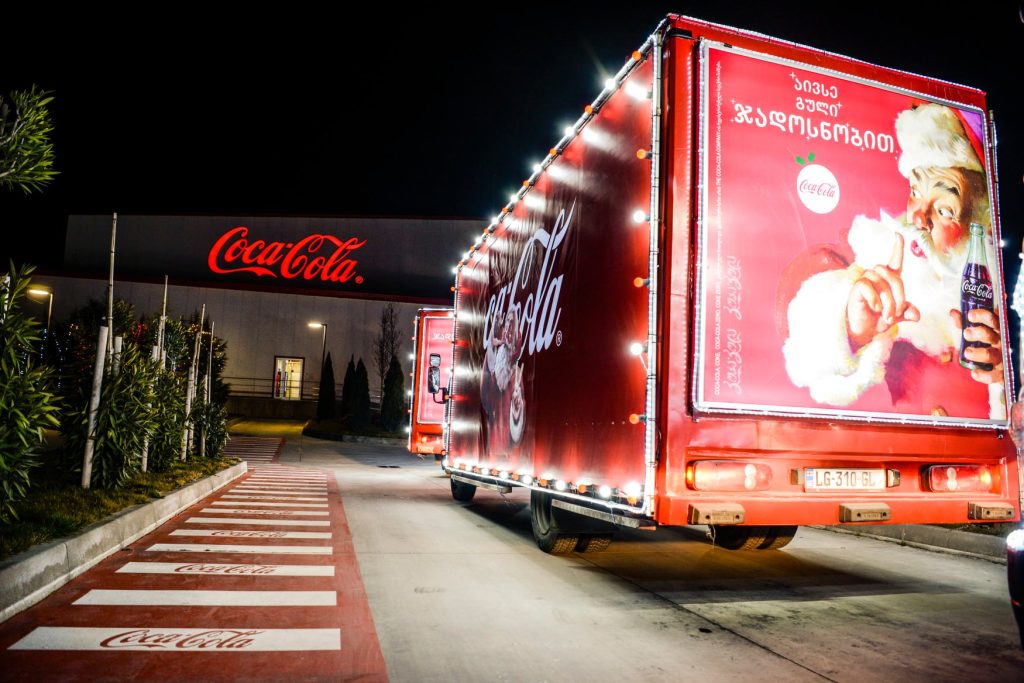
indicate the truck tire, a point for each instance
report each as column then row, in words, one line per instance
column 593, row 543
column 778, row 537
column 739, row 537
column 461, row 491
column 545, row 526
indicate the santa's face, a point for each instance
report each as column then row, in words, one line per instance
column 938, row 205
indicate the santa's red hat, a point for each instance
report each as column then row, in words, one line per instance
column 933, row 136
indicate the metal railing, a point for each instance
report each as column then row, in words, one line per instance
column 264, row 387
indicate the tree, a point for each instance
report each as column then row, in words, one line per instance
column 26, row 404
column 360, row 415
column 26, row 153
column 348, row 387
column 386, row 344
column 392, row 404
column 325, row 401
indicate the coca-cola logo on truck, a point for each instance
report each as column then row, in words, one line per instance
column 522, row 318
column 314, row 257
column 979, row 290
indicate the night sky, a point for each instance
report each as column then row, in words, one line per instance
column 424, row 112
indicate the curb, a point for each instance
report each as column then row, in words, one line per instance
column 992, row 548
column 27, row 578
column 353, row 438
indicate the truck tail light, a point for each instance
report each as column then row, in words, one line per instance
column 727, row 475
column 953, row 478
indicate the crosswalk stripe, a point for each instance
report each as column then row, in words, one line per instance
column 251, row 511
column 211, row 569
column 153, row 639
column 258, row 522
column 236, row 533
column 290, row 506
column 195, row 598
column 229, row 497
column 248, row 549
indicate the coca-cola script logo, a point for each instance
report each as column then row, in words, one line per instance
column 225, row 569
column 536, row 310
column 225, row 639
column 817, row 188
column 979, row 290
column 233, row 252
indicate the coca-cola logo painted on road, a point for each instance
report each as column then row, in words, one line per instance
column 225, row 639
column 234, row 252
column 225, row 569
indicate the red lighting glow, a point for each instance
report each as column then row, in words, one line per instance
column 727, row 475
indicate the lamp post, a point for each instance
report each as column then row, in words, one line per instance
column 323, row 345
column 39, row 291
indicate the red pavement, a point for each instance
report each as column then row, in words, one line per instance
column 260, row 603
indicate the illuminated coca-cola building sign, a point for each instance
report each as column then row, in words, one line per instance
column 380, row 258
column 316, row 256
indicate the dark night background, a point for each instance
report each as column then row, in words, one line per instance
column 424, row 112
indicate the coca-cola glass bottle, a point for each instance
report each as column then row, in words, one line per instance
column 975, row 293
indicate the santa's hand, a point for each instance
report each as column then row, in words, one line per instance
column 877, row 300
column 983, row 327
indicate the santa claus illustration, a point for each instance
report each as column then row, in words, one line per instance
column 877, row 325
column 501, row 390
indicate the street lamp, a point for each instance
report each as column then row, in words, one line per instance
column 323, row 345
column 39, row 291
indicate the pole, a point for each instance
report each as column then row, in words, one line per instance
column 94, row 404
column 110, row 288
column 186, row 435
column 46, row 338
column 158, row 352
column 323, row 350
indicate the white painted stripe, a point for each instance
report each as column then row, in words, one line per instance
column 279, row 489
column 269, row 496
column 277, row 492
column 237, row 533
column 264, row 473
column 210, row 569
column 226, row 548
column 291, row 506
column 257, row 522
column 251, row 511
column 285, row 478
column 185, row 598
column 131, row 638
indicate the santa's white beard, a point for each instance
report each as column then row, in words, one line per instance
column 932, row 284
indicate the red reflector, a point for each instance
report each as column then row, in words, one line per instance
column 954, row 478
column 725, row 475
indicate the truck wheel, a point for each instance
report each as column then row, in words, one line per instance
column 545, row 526
column 462, row 491
column 739, row 537
column 593, row 543
column 778, row 537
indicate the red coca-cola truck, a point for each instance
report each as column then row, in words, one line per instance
column 432, row 369
column 731, row 296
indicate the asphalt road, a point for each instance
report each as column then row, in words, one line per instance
column 460, row 592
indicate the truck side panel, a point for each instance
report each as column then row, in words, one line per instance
column 547, row 309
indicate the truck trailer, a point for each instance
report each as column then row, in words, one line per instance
column 432, row 369
column 755, row 286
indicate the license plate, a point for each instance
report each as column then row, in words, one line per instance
column 833, row 479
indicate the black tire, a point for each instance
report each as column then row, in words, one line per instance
column 778, row 537
column 593, row 543
column 739, row 537
column 544, row 523
column 461, row 491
